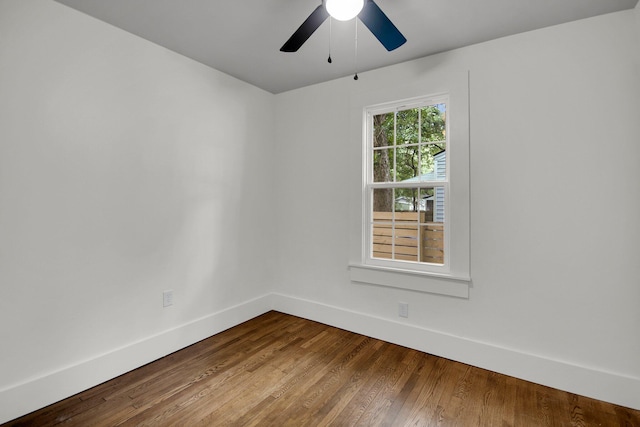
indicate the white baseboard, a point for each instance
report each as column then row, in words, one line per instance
column 606, row 386
column 21, row 399
column 31, row 395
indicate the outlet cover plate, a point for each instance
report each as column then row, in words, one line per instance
column 167, row 298
column 403, row 309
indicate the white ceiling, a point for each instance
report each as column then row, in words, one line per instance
column 243, row 37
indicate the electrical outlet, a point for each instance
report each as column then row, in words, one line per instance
column 167, row 298
column 403, row 309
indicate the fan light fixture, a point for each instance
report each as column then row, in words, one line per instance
column 344, row 10
column 367, row 11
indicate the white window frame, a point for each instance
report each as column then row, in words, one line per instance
column 453, row 278
column 369, row 185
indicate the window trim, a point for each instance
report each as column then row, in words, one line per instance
column 457, row 281
column 443, row 284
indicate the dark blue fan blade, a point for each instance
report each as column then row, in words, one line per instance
column 307, row 28
column 381, row 27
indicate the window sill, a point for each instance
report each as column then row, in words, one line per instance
column 435, row 283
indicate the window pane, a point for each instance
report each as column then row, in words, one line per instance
column 405, row 238
column 407, row 125
column 407, row 200
column 382, row 226
column 407, row 162
column 383, row 165
column 433, row 160
column 382, row 246
column 383, row 130
column 383, row 200
column 433, row 123
column 432, row 203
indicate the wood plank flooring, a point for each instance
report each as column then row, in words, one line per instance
column 280, row 370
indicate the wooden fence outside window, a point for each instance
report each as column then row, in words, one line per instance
column 408, row 237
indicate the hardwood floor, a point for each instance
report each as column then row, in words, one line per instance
column 280, row 370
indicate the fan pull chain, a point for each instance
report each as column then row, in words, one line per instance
column 355, row 77
column 329, row 59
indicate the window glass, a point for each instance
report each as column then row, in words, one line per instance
column 408, row 152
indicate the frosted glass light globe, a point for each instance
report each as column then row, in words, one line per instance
column 344, row 10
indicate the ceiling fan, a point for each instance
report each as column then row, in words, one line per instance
column 366, row 10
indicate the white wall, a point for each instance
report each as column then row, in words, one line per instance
column 554, row 148
column 125, row 170
column 637, row 10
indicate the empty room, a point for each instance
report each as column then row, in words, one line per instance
column 268, row 213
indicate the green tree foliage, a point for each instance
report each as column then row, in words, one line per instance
column 404, row 145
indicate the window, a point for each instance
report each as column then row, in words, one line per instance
column 407, row 184
column 415, row 192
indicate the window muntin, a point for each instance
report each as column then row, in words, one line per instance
column 406, row 188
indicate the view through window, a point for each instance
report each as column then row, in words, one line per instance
column 407, row 185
